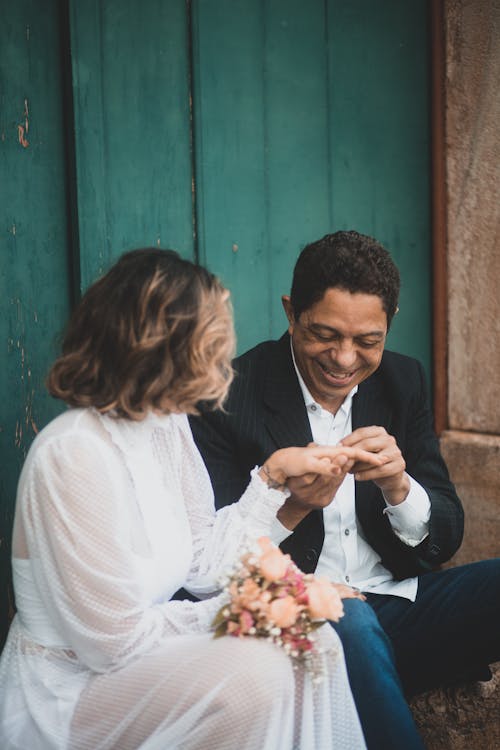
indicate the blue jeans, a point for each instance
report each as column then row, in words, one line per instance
column 396, row 648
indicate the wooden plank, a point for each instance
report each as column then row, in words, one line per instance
column 132, row 123
column 229, row 147
column 379, row 92
column 34, row 298
column 311, row 118
column 297, row 149
column 261, row 138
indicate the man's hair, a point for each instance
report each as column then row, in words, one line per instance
column 349, row 261
column 155, row 332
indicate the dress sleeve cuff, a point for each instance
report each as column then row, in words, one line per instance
column 260, row 502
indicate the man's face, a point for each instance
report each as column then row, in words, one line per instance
column 337, row 343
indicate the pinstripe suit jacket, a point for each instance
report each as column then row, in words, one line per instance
column 265, row 410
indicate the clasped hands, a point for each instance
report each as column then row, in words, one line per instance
column 314, row 474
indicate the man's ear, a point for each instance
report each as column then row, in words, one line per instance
column 287, row 306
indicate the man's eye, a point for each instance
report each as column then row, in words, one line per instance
column 368, row 344
column 324, row 336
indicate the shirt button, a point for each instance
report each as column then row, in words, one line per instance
column 347, row 579
column 313, row 407
column 346, row 532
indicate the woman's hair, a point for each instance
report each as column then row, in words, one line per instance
column 155, row 332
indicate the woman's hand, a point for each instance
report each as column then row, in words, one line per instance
column 308, row 462
column 313, row 474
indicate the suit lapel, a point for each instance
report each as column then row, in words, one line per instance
column 285, row 417
column 369, row 407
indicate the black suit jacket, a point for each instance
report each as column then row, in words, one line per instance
column 265, row 410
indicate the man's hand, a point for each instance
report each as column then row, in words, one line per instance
column 309, row 492
column 348, row 592
column 391, row 476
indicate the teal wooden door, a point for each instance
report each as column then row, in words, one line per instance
column 234, row 131
column 131, row 92
column 311, row 117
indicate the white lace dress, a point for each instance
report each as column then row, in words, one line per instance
column 113, row 517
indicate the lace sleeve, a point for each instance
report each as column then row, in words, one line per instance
column 73, row 511
column 219, row 537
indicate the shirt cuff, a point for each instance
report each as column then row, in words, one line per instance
column 410, row 519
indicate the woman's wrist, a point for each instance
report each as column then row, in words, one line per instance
column 273, row 477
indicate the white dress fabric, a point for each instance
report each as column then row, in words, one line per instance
column 112, row 517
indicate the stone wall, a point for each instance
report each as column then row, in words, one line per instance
column 471, row 446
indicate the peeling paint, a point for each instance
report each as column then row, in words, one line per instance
column 22, row 129
column 22, row 140
column 18, row 434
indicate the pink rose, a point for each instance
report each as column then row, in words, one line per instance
column 283, row 612
column 246, row 621
column 324, row 600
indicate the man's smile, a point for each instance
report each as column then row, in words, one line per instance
column 341, row 376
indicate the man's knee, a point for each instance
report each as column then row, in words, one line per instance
column 359, row 621
column 361, row 632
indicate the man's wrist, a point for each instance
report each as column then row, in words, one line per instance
column 398, row 494
column 291, row 514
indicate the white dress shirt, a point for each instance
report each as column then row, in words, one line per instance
column 346, row 556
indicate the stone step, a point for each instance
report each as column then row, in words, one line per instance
column 465, row 717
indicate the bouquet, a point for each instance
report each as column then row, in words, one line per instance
column 271, row 598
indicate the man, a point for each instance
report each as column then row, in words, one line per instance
column 383, row 530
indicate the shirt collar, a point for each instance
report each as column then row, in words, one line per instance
column 309, row 400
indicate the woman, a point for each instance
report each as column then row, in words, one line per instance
column 115, row 513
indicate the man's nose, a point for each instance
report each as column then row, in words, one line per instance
column 344, row 353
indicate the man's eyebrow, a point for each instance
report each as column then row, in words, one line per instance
column 324, row 327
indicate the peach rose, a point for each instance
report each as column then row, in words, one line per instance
column 273, row 563
column 265, row 543
column 324, row 600
column 248, row 593
column 283, row 612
